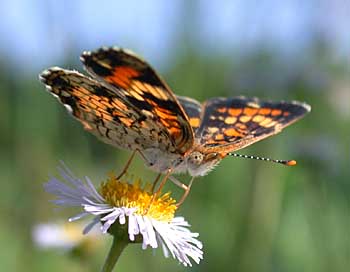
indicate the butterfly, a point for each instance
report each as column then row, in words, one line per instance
column 125, row 103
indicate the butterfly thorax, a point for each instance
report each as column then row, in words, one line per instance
column 197, row 162
column 160, row 161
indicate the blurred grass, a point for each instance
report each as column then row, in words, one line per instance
column 251, row 216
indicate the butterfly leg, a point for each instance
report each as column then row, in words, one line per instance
column 178, row 183
column 155, row 182
column 187, row 188
column 162, row 183
column 127, row 164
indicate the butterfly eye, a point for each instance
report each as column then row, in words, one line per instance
column 196, row 157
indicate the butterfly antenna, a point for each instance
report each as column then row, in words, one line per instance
column 284, row 162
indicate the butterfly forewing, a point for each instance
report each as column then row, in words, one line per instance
column 233, row 123
column 104, row 112
column 144, row 89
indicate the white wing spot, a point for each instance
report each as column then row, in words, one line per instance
column 69, row 108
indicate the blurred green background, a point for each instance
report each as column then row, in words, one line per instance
column 251, row 215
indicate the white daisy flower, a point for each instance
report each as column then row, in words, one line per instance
column 61, row 235
column 123, row 203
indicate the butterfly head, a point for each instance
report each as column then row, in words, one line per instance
column 200, row 163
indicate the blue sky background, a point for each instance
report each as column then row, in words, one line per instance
column 37, row 33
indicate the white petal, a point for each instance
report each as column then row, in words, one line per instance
column 132, row 227
column 90, row 226
column 78, row 216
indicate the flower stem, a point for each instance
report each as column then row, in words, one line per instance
column 118, row 245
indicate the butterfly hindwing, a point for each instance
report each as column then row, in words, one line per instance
column 193, row 110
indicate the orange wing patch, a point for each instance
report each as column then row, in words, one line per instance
column 122, row 76
column 264, row 111
column 231, row 132
column 250, row 111
column 194, row 122
column 234, row 112
column 276, row 112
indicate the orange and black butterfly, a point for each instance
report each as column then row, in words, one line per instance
column 125, row 103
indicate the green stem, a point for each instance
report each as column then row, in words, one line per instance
column 118, row 246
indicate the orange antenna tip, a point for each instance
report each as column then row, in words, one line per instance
column 284, row 162
column 291, row 163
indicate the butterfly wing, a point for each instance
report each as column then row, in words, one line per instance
column 230, row 124
column 193, row 110
column 136, row 81
column 104, row 112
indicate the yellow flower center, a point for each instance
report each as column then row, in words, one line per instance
column 123, row 194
